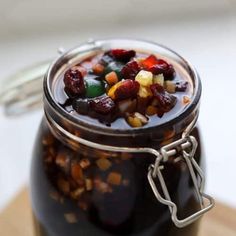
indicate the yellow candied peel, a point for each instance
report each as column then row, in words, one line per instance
column 145, row 78
column 111, row 92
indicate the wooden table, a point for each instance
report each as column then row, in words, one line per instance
column 16, row 219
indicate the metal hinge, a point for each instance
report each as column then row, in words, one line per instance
column 187, row 146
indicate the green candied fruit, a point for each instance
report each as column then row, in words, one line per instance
column 116, row 67
column 94, row 88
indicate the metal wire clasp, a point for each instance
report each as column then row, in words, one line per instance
column 187, row 145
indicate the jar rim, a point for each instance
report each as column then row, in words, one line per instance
column 69, row 56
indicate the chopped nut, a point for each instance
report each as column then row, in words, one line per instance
column 56, row 196
column 48, row 140
column 102, row 186
column 76, row 172
column 48, row 159
column 170, row 86
column 84, row 163
column 103, row 164
column 126, row 182
column 186, row 100
column 111, row 78
column 114, row 178
column 98, row 69
column 127, row 105
column 77, row 193
column 63, row 185
column 158, row 79
column 83, row 205
column 134, row 121
column 88, row 184
column 52, row 151
column 71, row 218
column 141, row 117
column 151, row 110
column 144, row 78
column 61, row 160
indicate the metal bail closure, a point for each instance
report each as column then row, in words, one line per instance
column 184, row 145
column 23, row 91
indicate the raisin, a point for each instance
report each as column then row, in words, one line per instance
column 102, row 105
column 122, row 54
column 130, row 70
column 181, row 86
column 81, row 106
column 162, row 67
column 128, row 89
column 165, row 100
column 74, row 83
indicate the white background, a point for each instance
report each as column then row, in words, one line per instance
column 202, row 31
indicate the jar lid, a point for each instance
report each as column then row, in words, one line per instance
column 23, row 91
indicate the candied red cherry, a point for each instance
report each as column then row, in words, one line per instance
column 74, row 83
column 127, row 89
column 162, row 67
column 181, row 86
column 149, row 61
column 165, row 100
column 103, row 105
column 130, row 70
column 122, row 54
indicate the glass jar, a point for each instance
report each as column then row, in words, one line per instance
column 88, row 179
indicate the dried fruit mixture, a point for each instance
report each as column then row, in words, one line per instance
column 124, row 84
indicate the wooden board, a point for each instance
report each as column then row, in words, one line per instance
column 16, row 219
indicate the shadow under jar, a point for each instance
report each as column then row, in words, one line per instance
column 91, row 179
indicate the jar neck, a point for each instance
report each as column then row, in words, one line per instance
column 69, row 132
column 138, row 137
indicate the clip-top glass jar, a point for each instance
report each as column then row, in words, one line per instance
column 91, row 179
